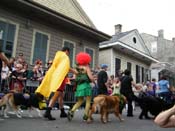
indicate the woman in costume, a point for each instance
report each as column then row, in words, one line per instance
column 83, row 79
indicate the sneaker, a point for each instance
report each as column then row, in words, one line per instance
column 70, row 115
column 85, row 117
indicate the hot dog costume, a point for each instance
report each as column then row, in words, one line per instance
column 55, row 75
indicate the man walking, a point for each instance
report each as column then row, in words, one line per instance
column 55, row 81
column 126, row 89
column 102, row 79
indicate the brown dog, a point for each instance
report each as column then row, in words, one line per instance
column 105, row 105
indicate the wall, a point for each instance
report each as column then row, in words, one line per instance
column 108, row 56
column 25, row 31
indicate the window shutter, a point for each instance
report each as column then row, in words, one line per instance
column 40, row 47
column 8, row 36
column 71, row 47
column 2, row 28
column 91, row 53
column 137, row 74
column 117, row 67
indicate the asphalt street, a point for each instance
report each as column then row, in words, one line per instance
column 77, row 124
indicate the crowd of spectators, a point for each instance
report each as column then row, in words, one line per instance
column 14, row 78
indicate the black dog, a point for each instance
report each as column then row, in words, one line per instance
column 151, row 104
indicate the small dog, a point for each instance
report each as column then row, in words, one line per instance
column 105, row 105
column 14, row 100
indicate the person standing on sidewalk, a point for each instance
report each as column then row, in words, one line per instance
column 164, row 89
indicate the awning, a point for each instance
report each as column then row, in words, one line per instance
column 130, row 51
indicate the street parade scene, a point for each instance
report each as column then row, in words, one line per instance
column 59, row 72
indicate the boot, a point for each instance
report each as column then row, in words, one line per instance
column 48, row 115
column 63, row 113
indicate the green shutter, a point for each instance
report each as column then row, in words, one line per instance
column 7, row 41
column 91, row 53
column 40, row 47
column 71, row 47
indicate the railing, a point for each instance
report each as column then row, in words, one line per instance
column 31, row 85
column 69, row 97
column 69, row 93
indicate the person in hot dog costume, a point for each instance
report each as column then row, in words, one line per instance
column 55, row 81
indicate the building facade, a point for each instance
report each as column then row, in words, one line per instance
column 127, row 50
column 163, row 50
column 36, row 29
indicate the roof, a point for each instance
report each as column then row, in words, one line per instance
column 70, row 8
column 117, row 43
column 130, row 51
column 116, row 37
column 35, row 11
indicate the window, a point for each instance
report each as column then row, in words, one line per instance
column 7, row 37
column 154, row 47
column 147, row 74
column 71, row 47
column 91, row 53
column 137, row 74
column 40, row 47
column 129, row 65
column 143, row 74
column 117, row 67
column 134, row 40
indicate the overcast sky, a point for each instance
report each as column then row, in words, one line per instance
column 148, row 16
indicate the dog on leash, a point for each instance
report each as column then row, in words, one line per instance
column 104, row 105
column 15, row 100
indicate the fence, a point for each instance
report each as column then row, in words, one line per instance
column 31, row 85
column 69, row 97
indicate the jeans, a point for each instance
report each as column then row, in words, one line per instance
column 166, row 96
